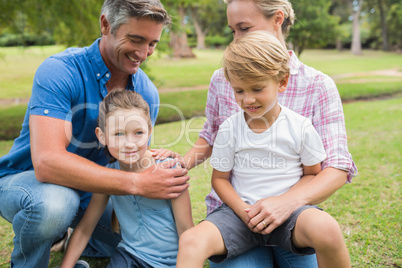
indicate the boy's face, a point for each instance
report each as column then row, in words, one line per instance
column 257, row 99
column 130, row 45
column 126, row 135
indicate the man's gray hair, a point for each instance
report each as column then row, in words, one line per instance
column 118, row 12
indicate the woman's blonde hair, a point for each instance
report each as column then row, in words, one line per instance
column 256, row 57
column 269, row 7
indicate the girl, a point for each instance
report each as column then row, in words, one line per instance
column 267, row 148
column 149, row 228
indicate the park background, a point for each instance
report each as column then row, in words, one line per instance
column 358, row 43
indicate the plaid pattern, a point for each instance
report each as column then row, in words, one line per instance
column 309, row 93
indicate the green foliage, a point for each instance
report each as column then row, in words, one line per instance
column 26, row 39
column 314, row 26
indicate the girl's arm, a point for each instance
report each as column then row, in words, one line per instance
column 82, row 233
column 182, row 212
column 228, row 195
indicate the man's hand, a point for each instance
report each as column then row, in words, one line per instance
column 268, row 213
column 161, row 181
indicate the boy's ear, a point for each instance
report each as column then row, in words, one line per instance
column 283, row 84
column 100, row 135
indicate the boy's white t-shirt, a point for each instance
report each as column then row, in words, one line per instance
column 269, row 163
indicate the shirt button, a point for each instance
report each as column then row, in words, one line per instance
column 46, row 111
column 107, row 75
column 98, row 75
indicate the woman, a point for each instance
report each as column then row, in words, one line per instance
column 309, row 93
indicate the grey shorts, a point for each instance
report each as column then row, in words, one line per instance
column 238, row 238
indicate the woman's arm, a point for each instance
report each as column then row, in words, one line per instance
column 82, row 233
column 228, row 195
column 200, row 151
column 182, row 212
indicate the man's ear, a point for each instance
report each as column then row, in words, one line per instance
column 283, row 84
column 104, row 24
column 101, row 136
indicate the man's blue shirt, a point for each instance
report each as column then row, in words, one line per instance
column 69, row 86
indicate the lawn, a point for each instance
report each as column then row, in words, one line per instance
column 368, row 210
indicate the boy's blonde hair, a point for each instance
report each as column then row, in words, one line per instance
column 269, row 7
column 256, row 57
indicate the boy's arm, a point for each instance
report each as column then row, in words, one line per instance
column 82, row 233
column 182, row 212
column 228, row 195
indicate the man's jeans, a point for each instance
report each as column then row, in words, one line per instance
column 265, row 257
column 40, row 214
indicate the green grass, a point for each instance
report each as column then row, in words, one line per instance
column 333, row 62
column 368, row 210
column 176, row 73
column 18, row 66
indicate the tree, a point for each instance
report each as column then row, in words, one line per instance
column 72, row 22
column 356, row 40
column 314, row 26
column 206, row 15
column 178, row 33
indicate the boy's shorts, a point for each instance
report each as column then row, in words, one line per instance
column 238, row 238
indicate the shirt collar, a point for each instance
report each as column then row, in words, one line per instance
column 98, row 65
column 294, row 63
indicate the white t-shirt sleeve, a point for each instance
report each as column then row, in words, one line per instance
column 312, row 150
column 223, row 152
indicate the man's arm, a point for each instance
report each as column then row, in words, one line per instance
column 54, row 164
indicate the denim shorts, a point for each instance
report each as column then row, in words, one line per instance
column 238, row 238
column 123, row 258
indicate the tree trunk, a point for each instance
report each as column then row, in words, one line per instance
column 178, row 40
column 199, row 32
column 384, row 32
column 356, row 40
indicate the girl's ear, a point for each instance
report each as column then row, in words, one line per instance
column 283, row 84
column 279, row 17
column 100, row 135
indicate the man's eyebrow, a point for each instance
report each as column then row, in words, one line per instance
column 140, row 37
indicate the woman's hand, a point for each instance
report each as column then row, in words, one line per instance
column 162, row 154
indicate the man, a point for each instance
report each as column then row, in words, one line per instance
column 46, row 178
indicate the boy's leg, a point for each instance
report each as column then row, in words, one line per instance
column 198, row 243
column 317, row 229
column 40, row 214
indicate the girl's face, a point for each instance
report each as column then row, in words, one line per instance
column 244, row 16
column 258, row 100
column 126, row 135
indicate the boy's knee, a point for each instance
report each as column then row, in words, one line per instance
column 324, row 231
column 189, row 241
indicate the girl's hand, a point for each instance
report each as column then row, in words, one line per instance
column 162, row 154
